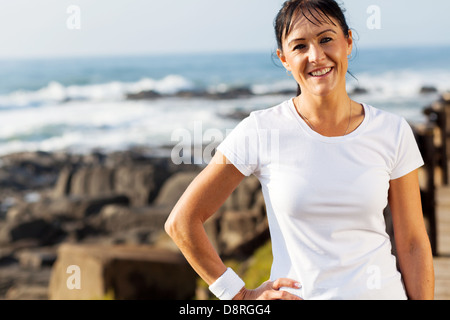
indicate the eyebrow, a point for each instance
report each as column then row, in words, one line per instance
column 320, row 33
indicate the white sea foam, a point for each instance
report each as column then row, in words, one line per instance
column 80, row 118
column 401, row 84
column 80, row 126
column 55, row 92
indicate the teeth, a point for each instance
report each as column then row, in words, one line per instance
column 321, row 72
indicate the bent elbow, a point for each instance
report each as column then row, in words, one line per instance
column 175, row 225
column 181, row 227
column 170, row 226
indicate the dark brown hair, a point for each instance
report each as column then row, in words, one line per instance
column 315, row 11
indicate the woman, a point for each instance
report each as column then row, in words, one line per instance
column 338, row 164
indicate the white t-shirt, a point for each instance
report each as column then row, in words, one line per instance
column 325, row 198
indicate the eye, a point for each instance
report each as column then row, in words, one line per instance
column 299, row 47
column 325, row 40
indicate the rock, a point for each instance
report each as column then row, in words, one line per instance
column 129, row 272
column 34, row 228
column 27, row 292
column 245, row 195
column 110, row 201
column 428, row 89
column 80, row 182
column 141, row 183
column 8, row 252
column 233, row 93
column 137, row 177
column 236, row 115
column 148, row 94
column 359, row 90
column 101, row 182
column 240, row 224
column 92, row 181
column 284, row 92
column 36, row 258
column 30, row 170
column 62, row 185
column 18, row 283
column 53, row 220
column 185, row 94
column 64, row 208
column 90, row 206
column 117, row 218
column 18, row 212
column 241, row 232
column 174, row 187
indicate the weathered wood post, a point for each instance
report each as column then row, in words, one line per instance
column 440, row 117
column 445, row 100
column 425, row 136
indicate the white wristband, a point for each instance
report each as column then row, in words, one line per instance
column 227, row 286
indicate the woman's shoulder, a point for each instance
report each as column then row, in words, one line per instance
column 384, row 118
column 382, row 113
column 280, row 108
column 269, row 117
column 273, row 114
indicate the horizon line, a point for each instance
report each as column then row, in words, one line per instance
column 190, row 53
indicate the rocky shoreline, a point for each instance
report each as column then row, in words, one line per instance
column 48, row 200
column 51, row 199
column 240, row 93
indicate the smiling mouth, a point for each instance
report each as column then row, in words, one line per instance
column 321, row 72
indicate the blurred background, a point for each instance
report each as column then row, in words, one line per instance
column 67, row 68
column 81, row 80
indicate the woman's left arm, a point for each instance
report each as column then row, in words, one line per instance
column 411, row 238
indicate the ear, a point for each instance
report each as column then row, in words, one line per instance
column 350, row 43
column 283, row 60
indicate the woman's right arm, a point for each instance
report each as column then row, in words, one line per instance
column 204, row 196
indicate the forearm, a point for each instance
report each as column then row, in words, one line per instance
column 413, row 246
column 416, row 264
column 192, row 240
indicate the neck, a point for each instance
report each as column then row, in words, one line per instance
column 328, row 115
column 333, row 108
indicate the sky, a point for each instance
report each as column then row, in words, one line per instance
column 53, row 28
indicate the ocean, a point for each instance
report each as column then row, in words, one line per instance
column 83, row 104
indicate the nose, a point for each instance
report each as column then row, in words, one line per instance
column 315, row 53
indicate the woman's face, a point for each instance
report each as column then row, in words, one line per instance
column 316, row 55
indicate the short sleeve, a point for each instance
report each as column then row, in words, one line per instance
column 241, row 146
column 408, row 156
